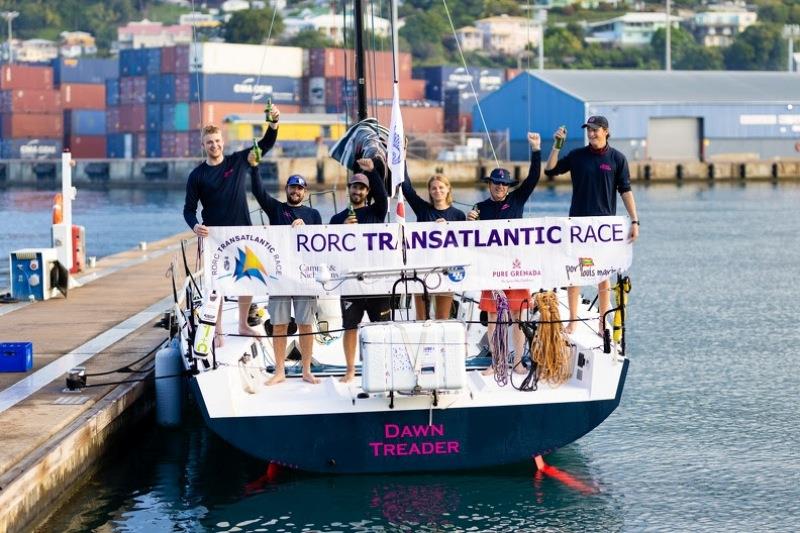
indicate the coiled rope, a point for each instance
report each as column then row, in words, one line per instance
column 499, row 340
column 549, row 347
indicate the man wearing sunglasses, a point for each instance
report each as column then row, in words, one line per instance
column 503, row 204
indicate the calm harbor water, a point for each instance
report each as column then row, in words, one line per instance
column 704, row 439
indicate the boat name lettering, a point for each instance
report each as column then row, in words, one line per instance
column 425, row 447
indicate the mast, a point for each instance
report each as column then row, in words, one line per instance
column 361, row 87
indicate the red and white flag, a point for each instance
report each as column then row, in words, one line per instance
column 400, row 208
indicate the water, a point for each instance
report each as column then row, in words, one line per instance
column 704, row 439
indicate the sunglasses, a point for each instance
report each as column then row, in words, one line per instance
column 499, row 183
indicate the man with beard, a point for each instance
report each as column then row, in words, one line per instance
column 378, row 308
column 502, row 205
column 288, row 213
column 219, row 185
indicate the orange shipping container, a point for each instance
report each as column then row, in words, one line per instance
column 83, row 96
column 30, row 101
column 86, row 146
column 340, row 63
column 32, row 125
column 215, row 112
column 415, row 119
column 25, row 77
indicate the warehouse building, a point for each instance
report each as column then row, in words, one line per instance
column 655, row 115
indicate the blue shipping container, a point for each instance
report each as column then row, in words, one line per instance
column 84, row 70
column 115, row 145
column 438, row 79
column 153, row 89
column 30, row 148
column 153, row 117
column 152, row 61
column 133, row 62
column 166, row 89
column 153, row 148
column 112, row 92
column 244, row 88
column 175, row 117
column 84, row 122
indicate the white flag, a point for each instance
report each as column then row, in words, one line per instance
column 397, row 151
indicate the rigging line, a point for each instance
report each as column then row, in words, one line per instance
column 471, row 85
column 528, row 57
column 263, row 58
column 345, row 87
column 197, row 81
column 374, row 72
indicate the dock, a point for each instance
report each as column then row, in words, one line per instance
column 52, row 438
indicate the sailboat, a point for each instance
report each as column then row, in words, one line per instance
column 422, row 399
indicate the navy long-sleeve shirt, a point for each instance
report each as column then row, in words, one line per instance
column 375, row 213
column 424, row 210
column 597, row 175
column 280, row 213
column 222, row 188
column 513, row 205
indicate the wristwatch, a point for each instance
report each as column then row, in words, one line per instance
column 635, row 222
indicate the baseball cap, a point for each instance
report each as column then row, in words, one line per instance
column 359, row 178
column 297, row 179
column 595, row 122
column 501, row 175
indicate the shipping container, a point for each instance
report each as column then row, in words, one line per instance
column 121, row 145
column 166, row 88
column 340, row 63
column 175, row 145
column 133, row 90
column 153, row 88
column 39, row 148
column 15, row 125
column 175, row 59
column 112, row 120
column 25, row 77
column 182, row 87
column 112, row 92
column 455, row 123
column 439, row 79
column 215, row 112
column 140, row 145
column 244, row 88
column 152, row 61
column 175, row 117
column 86, row 146
column 420, row 118
column 83, row 96
column 457, row 102
column 153, row 144
column 334, row 91
column 250, row 59
column 30, row 101
column 153, row 117
column 84, row 70
column 84, row 122
column 133, row 118
column 132, row 62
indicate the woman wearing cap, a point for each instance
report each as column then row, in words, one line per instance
column 502, row 205
column 438, row 208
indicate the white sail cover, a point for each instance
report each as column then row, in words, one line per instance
column 355, row 259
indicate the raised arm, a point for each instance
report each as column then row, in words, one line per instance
column 527, row 186
column 376, row 187
column 269, row 204
column 268, row 140
column 417, row 204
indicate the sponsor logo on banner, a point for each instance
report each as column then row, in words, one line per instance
column 517, row 272
column 246, row 257
column 587, row 268
column 456, row 274
column 311, row 271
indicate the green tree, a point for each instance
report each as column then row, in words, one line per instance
column 424, row 31
column 759, row 47
column 310, row 39
column 687, row 53
column 502, row 7
column 252, row 26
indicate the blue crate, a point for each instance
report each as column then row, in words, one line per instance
column 16, row 356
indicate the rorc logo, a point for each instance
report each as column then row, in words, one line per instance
column 246, row 258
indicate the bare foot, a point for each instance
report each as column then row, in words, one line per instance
column 219, row 340
column 570, row 329
column 519, row 368
column 348, row 377
column 488, row 371
column 308, row 377
column 279, row 377
column 251, row 332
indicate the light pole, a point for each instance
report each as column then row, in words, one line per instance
column 790, row 33
column 9, row 16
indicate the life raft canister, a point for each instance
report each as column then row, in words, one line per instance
column 58, row 209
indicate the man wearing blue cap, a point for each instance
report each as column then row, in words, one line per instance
column 293, row 213
column 598, row 173
column 502, row 205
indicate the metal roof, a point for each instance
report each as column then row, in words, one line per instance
column 658, row 86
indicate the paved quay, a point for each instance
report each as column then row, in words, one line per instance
column 50, row 438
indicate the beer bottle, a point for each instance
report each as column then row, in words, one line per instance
column 256, row 150
column 350, row 211
column 475, row 208
column 268, row 111
column 560, row 140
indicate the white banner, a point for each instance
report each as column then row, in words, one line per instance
column 355, row 259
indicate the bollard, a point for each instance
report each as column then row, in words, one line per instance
column 647, row 172
column 742, row 171
column 711, row 171
column 679, row 171
column 774, row 171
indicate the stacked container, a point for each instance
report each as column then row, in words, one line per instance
column 31, row 125
column 83, row 86
column 331, row 88
column 456, row 89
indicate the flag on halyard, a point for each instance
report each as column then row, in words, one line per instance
column 396, row 155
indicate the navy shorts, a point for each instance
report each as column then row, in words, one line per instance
column 378, row 309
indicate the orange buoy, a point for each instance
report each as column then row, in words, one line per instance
column 58, row 209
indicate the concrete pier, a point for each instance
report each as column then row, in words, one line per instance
column 51, row 438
